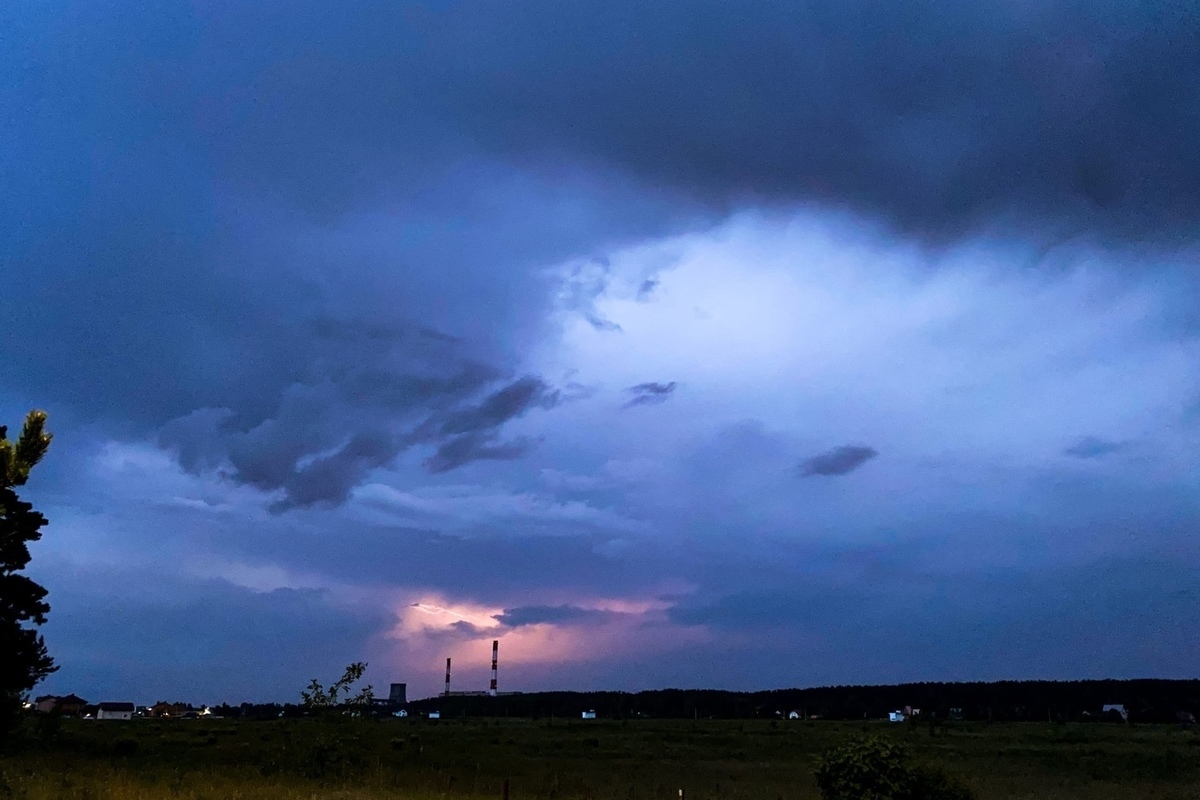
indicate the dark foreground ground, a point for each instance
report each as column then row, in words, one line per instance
column 594, row 760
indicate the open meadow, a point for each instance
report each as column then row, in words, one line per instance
column 465, row 759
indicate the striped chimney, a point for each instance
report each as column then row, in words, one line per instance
column 495, row 663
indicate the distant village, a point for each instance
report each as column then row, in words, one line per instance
column 73, row 705
column 1127, row 702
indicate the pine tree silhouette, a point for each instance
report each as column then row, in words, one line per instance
column 23, row 604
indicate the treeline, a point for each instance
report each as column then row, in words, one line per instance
column 1143, row 700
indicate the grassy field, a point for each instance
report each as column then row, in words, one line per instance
column 559, row 760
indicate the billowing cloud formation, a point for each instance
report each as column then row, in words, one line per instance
column 354, row 414
column 647, row 394
column 838, row 461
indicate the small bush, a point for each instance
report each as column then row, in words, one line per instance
column 871, row 768
column 865, row 769
column 931, row 783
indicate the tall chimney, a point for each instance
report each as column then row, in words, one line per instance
column 495, row 658
column 447, row 677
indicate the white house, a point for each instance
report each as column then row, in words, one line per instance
column 895, row 716
column 435, row 715
column 589, row 715
column 114, row 711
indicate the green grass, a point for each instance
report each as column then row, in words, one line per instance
column 601, row 760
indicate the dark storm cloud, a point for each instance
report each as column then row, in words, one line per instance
column 197, row 254
column 369, row 394
column 930, row 114
column 646, row 394
column 553, row 615
column 472, row 433
column 935, row 116
column 331, row 478
column 477, row 446
column 1093, row 447
column 838, row 461
column 168, row 199
column 505, row 404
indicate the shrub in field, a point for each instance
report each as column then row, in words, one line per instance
column 871, row 768
column 867, row 768
column 931, row 783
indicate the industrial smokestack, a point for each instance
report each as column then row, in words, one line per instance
column 495, row 659
column 447, row 677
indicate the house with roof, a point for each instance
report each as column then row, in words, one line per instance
column 69, row 705
column 164, row 709
column 114, row 711
column 45, row 704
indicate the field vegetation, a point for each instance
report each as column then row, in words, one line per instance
column 466, row 759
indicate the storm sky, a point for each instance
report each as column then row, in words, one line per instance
column 671, row 344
